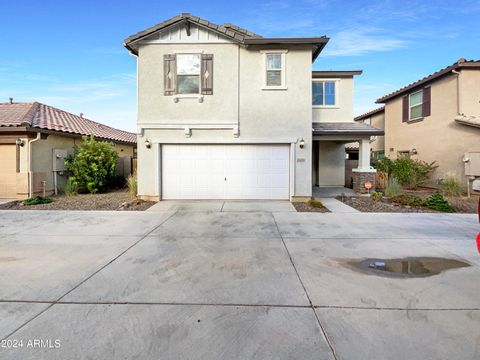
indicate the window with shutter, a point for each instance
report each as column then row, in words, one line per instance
column 169, row 74
column 426, row 102
column 415, row 105
column 207, row 74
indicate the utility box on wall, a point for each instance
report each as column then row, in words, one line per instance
column 472, row 163
column 59, row 156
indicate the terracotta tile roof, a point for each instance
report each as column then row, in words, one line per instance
column 461, row 63
column 41, row 116
column 369, row 113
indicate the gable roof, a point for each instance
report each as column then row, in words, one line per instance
column 459, row 64
column 230, row 31
column 40, row 116
column 370, row 113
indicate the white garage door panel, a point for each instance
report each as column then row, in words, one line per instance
column 251, row 171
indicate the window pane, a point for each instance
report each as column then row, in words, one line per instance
column 416, row 112
column 416, row 99
column 188, row 64
column 329, row 93
column 274, row 61
column 188, row 84
column 274, row 78
column 317, row 93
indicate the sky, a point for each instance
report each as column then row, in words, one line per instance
column 69, row 54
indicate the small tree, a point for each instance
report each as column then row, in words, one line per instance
column 92, row 165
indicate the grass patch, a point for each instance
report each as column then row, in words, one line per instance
column 315, row 204
column 37, row 200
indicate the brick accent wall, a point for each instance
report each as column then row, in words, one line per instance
column 359, row 180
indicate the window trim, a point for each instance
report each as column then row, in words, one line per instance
column 283, row 69
column 410, row 106
column 336, row 105
column 177, row 75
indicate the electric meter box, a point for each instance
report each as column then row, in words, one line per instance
column 59, row 156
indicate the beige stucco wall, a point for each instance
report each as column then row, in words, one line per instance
column 263, row 116
column 343, row 109
column 437, row 137
column 378, row 121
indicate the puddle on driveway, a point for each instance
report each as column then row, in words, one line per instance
column 411, row 267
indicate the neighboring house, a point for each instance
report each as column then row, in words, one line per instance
column 34, row 140
column 436, row 118
column 375, row 118
column 224, row 113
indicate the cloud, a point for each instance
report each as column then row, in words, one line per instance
column 357, row 42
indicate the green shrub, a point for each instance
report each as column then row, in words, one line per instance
column 383, row 165
column 411, row 173
column 450, row 186
column 93, row 164
column 376, row 196
column 315, row 203
column 408, row 200
column 37, row 200
column 71, row 187
column 392, row 187
column 132, row 185
column 437, row 202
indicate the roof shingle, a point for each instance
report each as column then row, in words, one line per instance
column 41, row 116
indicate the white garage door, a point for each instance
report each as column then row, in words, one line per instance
column 225, row 171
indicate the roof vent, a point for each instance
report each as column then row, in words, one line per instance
column 81, row 115
column 10, row 100
column 186, row 14
column 461, row 60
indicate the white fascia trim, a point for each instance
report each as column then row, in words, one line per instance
column 228, row 141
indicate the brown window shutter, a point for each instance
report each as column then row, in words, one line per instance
column 426, row 102
column 405, row 109
column 207, row 74
column 169, row 74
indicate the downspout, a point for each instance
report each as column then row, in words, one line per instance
column 30, row 167
column 458, row 92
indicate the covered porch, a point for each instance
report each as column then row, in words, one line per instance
column 328, row 157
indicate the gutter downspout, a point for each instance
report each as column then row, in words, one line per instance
column 459, row 112
column 30, row 167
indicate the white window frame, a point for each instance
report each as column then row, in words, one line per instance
column 283, row 69
column 191, row 95
column 410, row 106
column 336, row 105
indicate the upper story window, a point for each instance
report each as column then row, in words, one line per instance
column 188, row 73
column 415, row 105
column 323, row 93
column 274, row 72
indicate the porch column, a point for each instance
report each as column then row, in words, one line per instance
column 364, row 172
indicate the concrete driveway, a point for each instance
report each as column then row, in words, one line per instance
column 199, row 282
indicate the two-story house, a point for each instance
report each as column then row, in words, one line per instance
column 224, row 113
column 436, row 118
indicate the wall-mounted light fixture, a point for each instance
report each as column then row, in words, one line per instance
column 148, row 145
column 414, row 151
column 301, row 143
column 19, row 142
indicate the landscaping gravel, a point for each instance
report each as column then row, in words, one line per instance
column 108, row 201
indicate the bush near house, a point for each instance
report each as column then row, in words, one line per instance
column 450, row 186
column 132, row 185
column 408, row 200
column 392, row 187
column 409, row 173
column 92, row 166
column 437, row 202
column 376, row 196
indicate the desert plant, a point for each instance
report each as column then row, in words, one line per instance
column 132, row 185
column 383, row 165
column 437, row 202
column 37, row 200
column 71, row 187
column 408, row 200
column 450, row 186
column 392, row 187
column 93, row 164
column 411, row 173
column 376, row 196
column 315, row 203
